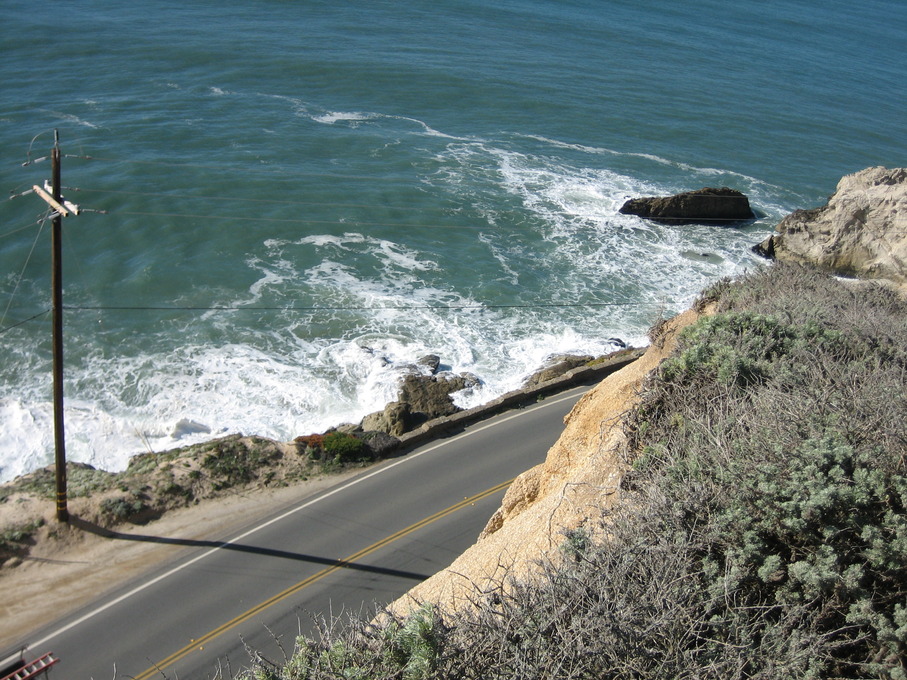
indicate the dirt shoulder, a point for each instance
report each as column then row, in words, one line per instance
column 61, row 575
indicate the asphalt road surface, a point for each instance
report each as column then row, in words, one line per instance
column 367, row 540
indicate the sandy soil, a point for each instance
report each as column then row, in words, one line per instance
column 60, row 576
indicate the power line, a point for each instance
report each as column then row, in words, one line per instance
column 22, row 273
column 287, row 220
column 358, row 223
column 121, row 308
column 222, row 199
column 24, row 321
column 16, row 231
column 220, row 167
column 370, row 178
column 229, row 308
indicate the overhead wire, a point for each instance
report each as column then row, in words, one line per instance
column 288, row 220
column 24, row 321
column 221, row 167
column 306, row 174
column 221, row 199
column 355, row 308
column 278, row 220
column 12, row 295
column 27, row 226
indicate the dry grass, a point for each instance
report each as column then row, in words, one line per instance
column 763, row 528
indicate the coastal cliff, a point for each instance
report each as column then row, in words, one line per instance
column 742, row 481
column 732, row 505
column 578, row 480
column 861, row 231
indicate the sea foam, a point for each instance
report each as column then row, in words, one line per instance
column 545, row 265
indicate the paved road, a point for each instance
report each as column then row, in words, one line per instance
column 367, row 540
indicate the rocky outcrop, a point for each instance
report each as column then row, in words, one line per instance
column 705, row 206
column 425, row 394
column 861, row 230
column 422, row 398
column 557, row 366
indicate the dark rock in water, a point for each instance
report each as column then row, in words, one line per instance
column 705, row 206
column 185, row 427
column 422, row 398
column 765, row 249
column 430, row 395
column 431, row 362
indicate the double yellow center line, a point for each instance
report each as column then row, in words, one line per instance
column 292, row 590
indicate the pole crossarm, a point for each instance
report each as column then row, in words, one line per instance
column 51, row 201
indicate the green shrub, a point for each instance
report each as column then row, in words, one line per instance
column 81, row 481
column 344, row 447
column 232, row 463
column 13, row 538
column 123, row 508
column 414, row 645
column 779, row 434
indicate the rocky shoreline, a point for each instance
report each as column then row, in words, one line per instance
column 156, row 483
column 862, row 231
column 579, row 475
column 859, row 232
column 564, row 372
column 425, row 400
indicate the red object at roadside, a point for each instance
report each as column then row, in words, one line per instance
column 33, row 669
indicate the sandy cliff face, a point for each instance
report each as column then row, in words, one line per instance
column 580, row 476
column 861, row 231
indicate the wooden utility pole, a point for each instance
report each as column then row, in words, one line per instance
column 61, row 209
column 56, row 283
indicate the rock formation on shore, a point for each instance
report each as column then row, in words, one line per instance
column 708, row 206
column 860, row 231
column 421, row 398
column 426, row 396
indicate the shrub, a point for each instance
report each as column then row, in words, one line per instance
column 410, row 648
column 344, row 447
column 779, row 434
column 122, row 508
column 312, row 444
column 14, row 538
column 232, row 463
column 764, row 528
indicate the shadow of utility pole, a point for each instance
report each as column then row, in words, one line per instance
column 92, row 528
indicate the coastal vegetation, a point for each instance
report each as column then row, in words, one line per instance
column 154, row 483
column 761, row 531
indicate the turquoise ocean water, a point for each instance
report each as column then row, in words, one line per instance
column 303, row 198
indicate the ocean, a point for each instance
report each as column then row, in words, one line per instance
column 287, row 204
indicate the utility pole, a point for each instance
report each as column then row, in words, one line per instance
column 61, row 209
column 56, row 283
